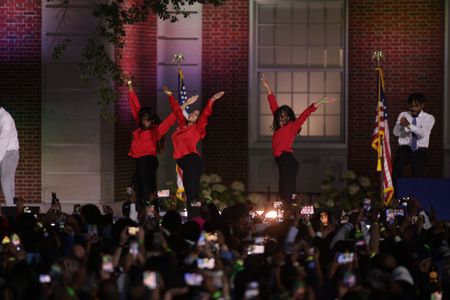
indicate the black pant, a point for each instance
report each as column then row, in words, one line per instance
column 405, row 156
column 288, row 169
column 192, row 166
column 145, row 177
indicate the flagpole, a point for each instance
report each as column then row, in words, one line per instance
column 377, row 56
column 179, row 58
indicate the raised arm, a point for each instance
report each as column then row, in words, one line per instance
column 166, row 124
column 272, row 100
column 133, row 101
column 176, row 109
column 206, row 112
column 308, row 111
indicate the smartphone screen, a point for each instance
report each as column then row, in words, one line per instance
column 206, row 263
column 349, row 279
column 202, row 240
column 277, row 204
column 45, row 278
column 15, row 239
column 345, row 258
column 107, row 264
column 6, row 240
column 390, row 216
column 193, row 279
column 255, row 249
column 252, row 291
column 260, row 240
column 149, row 279
column 134, row 248
column 163, row 193
column 307, row 210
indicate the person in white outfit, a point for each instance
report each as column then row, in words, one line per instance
column 413, row 129
column 9, row 155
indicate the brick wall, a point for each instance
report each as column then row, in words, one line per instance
column 411, row 34
column 139, row 58
column 20, row 87
column 225, row 67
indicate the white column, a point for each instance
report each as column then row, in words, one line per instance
column 184, row 36
column 77, row 144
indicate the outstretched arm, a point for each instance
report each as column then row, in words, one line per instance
column 308, row 111
column 175, row 107
column 272, row 100
column 206, row 112
column 133, row 101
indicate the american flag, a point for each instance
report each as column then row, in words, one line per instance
column 182, row 97
column 381, row 142
column 182, row 94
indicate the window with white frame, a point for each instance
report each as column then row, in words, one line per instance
column 299, row 46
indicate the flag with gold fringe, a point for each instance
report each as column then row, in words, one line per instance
column 381, row 141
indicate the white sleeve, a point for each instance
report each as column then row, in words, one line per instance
column 5, row 135
column 425, row 130
column 398, row 128
column 133, row 212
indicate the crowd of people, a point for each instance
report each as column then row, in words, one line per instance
column 298, row 253
column 291, row 250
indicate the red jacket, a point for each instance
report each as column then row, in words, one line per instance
column 186, row 137
column 284, row 137
column 144, row 142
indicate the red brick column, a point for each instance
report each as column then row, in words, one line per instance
column 225, row 67
column 411, row 35
column 20, row 87
column 138, row 58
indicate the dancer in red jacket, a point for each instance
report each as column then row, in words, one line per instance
column 185, row 139
column 146, row 142
column 285, row 128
